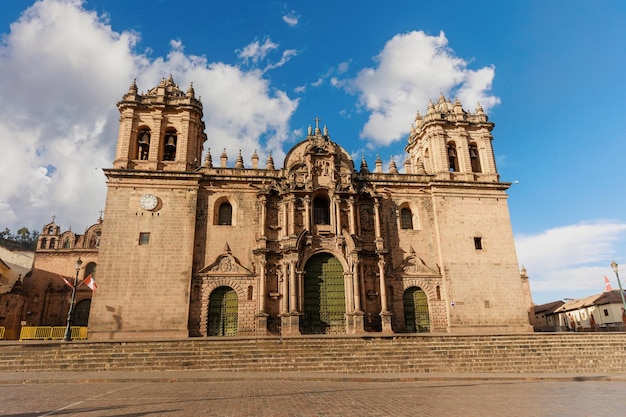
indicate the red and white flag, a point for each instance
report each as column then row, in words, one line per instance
column 607, row 285
column 91, row 283
column 69, row 284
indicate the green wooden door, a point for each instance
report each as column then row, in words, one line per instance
column 223, row 312
column 416, row 316
column 324, row 296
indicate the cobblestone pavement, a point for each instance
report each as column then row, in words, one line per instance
column 462, row 398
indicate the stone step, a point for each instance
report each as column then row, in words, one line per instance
column 506, row 353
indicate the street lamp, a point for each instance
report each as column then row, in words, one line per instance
column 621, row 292
column 68, row 330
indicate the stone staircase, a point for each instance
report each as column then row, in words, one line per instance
column 527, row 353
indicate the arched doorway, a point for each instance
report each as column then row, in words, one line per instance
column 81, row 313
column 223, row 312
column 324, row 296
column 416, row 316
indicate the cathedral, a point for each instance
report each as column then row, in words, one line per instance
column 321, row 245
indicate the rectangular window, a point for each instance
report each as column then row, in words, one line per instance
column 144, row 238
column 478, row 243
column 606, row 312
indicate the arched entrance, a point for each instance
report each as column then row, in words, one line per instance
column 223, row 312
column 324, row 296
column 416, row 316
column 81, row 313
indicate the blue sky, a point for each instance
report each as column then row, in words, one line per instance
column 550, row 74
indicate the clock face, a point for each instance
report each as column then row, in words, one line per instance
column 149, row 202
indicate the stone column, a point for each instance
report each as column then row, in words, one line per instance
column 262, row 286
column 359, row 325
column 284, row 299
column 384, row 313
column 379, row 239
column 262, row 215
column 337, row 215
column 291, row 216
column 307, row 213
column 355, row 284
column 261, row 317
column 352, row 225
column 293, row 295
column 349, row 294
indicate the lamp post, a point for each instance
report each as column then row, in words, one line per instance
column 68, row 330
column 621, row 292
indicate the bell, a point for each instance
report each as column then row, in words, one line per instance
column 144, row 139
column 170, row 142
column 451, row 152
column 473, row 153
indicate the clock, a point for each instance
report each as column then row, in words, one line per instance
column 149, row 202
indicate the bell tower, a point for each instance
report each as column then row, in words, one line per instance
column 161, row 130
column 147, row 246
column 452, row 144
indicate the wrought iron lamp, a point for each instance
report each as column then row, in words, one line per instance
column 68, row 329
column 621, row 292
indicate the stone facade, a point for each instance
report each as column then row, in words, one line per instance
column 317, row 246
column 41, row 297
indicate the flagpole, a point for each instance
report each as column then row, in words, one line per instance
column 68, row 329
column 621, row 292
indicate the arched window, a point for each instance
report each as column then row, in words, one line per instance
column 452, row 159
column 321, row 210
column 143, row 144
column 406, row 218
column 225, row 214
column 44, row 242
column 169, row 145
column 90, row 269
column 474, row 159
column 52, row 243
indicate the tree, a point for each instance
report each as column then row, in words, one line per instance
column 23, row 239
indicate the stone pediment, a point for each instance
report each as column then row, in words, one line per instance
column 414, row 265
column 226, row 265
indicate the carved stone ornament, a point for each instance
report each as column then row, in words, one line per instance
column 414, row 265
column 226, row 265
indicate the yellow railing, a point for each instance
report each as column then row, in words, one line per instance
column 51, row 333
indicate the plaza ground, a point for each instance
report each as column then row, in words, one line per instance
column 195, row 393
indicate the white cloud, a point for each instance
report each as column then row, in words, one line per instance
column 411, row 69
column 64, row 68
column 255, row 51
column 570, row 260
column 291, row 18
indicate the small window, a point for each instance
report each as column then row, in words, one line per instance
column 169, row 147
column 225, row 215
column 250, row 292
column 144, row 238
column 452, row 159
column 606, row 312
column 478, row 243
column 406, row 218
column 90, row 269
column 143, row 144
column 474, row 159
column 321, row 210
